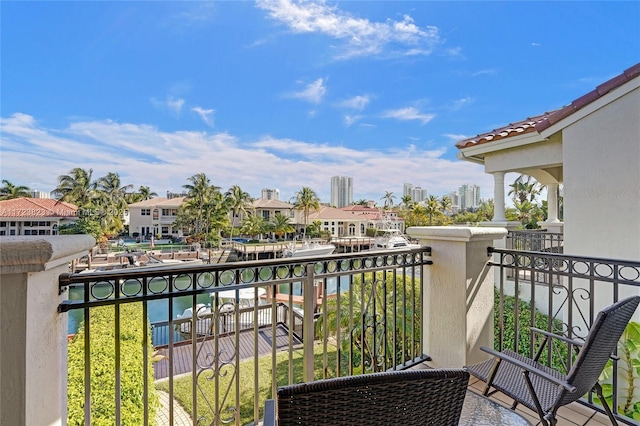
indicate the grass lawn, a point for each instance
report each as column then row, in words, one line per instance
column 241, row 379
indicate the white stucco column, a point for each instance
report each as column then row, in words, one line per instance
column 552, row 203
column 33, row 355
column 498, row 197
column 458, row 293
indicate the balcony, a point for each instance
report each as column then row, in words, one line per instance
column 253, row 326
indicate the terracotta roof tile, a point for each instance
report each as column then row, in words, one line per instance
column 546, row 120
column 36, row 207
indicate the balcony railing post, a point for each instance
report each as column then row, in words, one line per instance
column 33, row 358
column 458, row 293
column 307, row 322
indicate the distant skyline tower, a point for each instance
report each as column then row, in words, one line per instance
column 469, row 196
column 341, row 191
column 270, row 194
column 417, row 194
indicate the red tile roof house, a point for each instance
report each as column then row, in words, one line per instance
column 592, row 148
column 35, row 216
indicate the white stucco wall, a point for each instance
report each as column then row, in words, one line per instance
column 602, row 181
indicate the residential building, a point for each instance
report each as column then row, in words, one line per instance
column 270, row 194
column 35, row 216
column 155, row 217
column 268, row 208
column 341, row 191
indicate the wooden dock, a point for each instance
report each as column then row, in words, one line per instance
column 182, row 354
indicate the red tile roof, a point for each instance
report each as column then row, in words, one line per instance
column 36, row 207
column 544, row 121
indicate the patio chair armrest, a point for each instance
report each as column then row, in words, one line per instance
column 531, row 368
column 269, row 413
column 558, row 336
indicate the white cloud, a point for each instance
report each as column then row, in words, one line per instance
column 461, row 103
column 313, row 92
column 205, row 114
column 357, row 102
column 360, row 37
column 349, row 120
column 145, row 155
column 174, row 105
column 408, row 113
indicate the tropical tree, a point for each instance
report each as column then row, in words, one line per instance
column 306, row 200
column 10, row 191
column 432, row 207
column 77, row 188
column 111, row 200
column 254, row 225
column 281, row 225
column 407, row 200
column 315, row 229
column 238, row 202
column 525, row 189
column 445, row 204
column 361, row 202
column 388, row 199
column 199, row 193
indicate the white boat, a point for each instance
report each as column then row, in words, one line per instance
column 308, row 249
column 393, row 239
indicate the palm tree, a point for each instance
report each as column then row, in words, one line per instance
column 145, row 193
column 525, row 190
column 281, row 225
column 10, row 191
column 361, row 202
column 111, row 197
column 432, row 207
column 77, row 187
column 254, row 225
column 445, row 204
column 199, row 191
column 238, row 202
column 407, row 200
column 388, row 199
column 306, row 200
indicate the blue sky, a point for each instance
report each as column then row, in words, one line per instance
column 287, row 94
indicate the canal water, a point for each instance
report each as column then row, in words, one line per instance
column 158, row 310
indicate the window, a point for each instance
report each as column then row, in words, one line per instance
column 3, row 232
column 165, row 230
column 12, row 232
column 3, row 224
column 26, row 232
column 145, row 212
column 43, row 223
column 265, row 214
column 13, row 224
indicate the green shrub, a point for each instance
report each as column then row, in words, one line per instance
column 541, row 321
column 102, row 360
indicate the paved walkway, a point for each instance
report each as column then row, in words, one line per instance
column 180, row 417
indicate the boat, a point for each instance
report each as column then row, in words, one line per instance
column 393, row 239
column 308, row 248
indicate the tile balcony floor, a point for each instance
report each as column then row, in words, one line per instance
column 570, row 415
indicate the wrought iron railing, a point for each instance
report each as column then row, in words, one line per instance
column 535, row 240
column 244, row 329
column 563, row 294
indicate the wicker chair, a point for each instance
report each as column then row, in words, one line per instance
column 544, row 389
column 409, row 397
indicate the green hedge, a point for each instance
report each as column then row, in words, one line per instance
column 541, row 321
column 103, row 369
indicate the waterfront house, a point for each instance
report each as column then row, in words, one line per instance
column 155, row 216
column 35, row 216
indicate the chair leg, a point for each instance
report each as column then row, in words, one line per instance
column 492, row 374
column 548, row 418
column 598, row 390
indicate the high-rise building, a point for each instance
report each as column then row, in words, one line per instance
column 469, row 196
column 270, row 194
column 417, row 194
column 39, row 194
column 341, row 191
